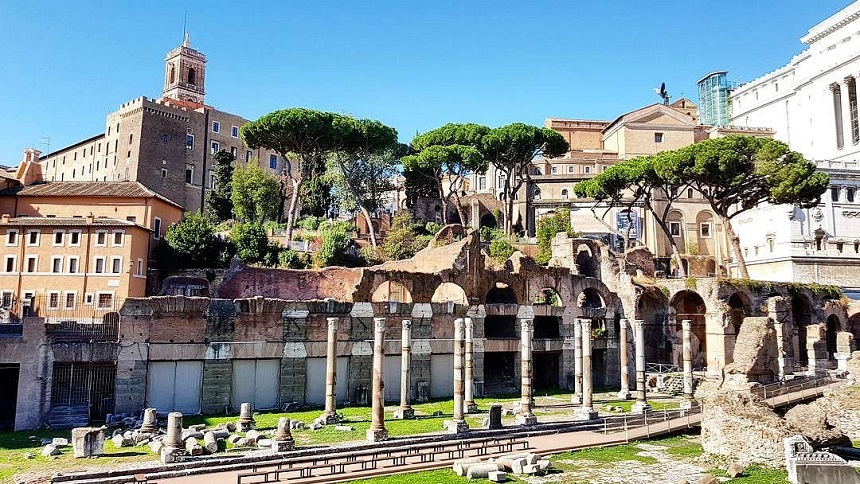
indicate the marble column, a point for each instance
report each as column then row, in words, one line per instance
column 469, row 384
column 624, row 393
column 779, row 310
column 641, row 404
column 577, row 362
column 687, row 348
column 246, row 421
column 405, row 410
column 586, row 412
column 458, row 423
column 526, row 416
column 173, row 448
column 330, row 415
column 377, row 431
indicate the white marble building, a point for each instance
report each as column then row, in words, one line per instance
column 811, row 103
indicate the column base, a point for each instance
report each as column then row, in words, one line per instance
column 404, row 413
column 640, row 407
column 470, row 407
column 456, row 426
column 585, row 413
column 624, row 394
column 283, row 445
column 376, row 435
column 576, row 398
column 170, row 454
column 526, row 420
column 330, row 419
column 246, row 425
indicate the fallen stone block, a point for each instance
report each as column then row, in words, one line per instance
column 155, row 446
column 197, row 427
column 497, row 476
column 50, row 450
column 708, row 479
column 88, row 441
column 461, row 465
column 122, row 441
column 531, row 469
column 219, row 433
column 517, row 466
column 188, row 434
column 230, row 426
column 343, row 428
column 193, row 447
column 544, row 464
column 265, row 443
column 253, row 434
column 532, row 458
column 210, row 442
column 734, row 471
column 316, row 426
column 234, row 438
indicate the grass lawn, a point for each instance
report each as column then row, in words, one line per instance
column 15, row 445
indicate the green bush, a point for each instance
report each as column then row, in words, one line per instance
column 334, row 243
column 500, row 249
column 488, row 234
column 433, row 228
column 311, row 222
column 290, row 259
column 372, row 255
column 547, row 228
column 191, row 242
column 327, row 225
column 252, row 244
column 404, row 238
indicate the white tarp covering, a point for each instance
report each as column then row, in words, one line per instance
column 256, row 382
column 441, row 376
column 315, row 388
column 174, row 386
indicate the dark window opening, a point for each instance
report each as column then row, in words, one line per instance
column 547, row 327
column 499, row 375
column 500, row 326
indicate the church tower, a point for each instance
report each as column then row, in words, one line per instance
column 185, row 74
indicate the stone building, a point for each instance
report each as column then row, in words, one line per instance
column 167, row 143
column 811, row 104
column 262, row 337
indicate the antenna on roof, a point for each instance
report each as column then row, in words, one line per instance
column 662, row 93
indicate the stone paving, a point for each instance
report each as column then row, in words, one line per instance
column 668, row 469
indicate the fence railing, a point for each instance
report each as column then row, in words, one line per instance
column 803, row 389
column 661, row 368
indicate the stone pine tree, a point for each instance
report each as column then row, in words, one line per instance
column 363, row 168
column 632, row 183
column 511, row 149
column 737, row 173
column 303, row 138
column 445, row 156
column 221, row 196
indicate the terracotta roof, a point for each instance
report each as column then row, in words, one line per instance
column 122, row 189
column 69, row 221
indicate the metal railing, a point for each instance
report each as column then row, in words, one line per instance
column 793, row 390
column 661, row 368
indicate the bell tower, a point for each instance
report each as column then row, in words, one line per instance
column 185, row 74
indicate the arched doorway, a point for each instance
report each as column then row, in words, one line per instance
column 585, row 261
column 488, row 220
column 854, row 328
column 833, row 327
column 448, row 291
column 801, row 313
column 652, row 309
column 391, row 291
column 690, row 305
column 739, row 308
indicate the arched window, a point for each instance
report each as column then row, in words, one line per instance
column 564, row 193
column 192, row 76
column 172, row 73
column 537, row 194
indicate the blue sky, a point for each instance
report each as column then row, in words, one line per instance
column 412, row 65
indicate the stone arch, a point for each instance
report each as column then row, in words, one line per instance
column 591, row 298
column 547, row 296
column 489, row 220
column 652, row 308
column 689, row 304
column 585, row 261
column 854, row 326
column 833, row 326
column 448, row 291
column 172, row 76
column 801, row 314
column 391, row 291
column 500, row 293
column 192, row 76
column 705, row 235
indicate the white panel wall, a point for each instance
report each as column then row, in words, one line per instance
column 441, row 376
column 174, row 386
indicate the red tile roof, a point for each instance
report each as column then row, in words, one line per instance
column 120, row 189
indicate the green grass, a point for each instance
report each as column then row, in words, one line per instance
column 439, row 476
column 756, row 475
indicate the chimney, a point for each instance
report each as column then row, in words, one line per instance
column 30, row 171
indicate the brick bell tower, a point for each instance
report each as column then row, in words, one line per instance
column 185, row 74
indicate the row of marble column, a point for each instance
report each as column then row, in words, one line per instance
column 463, row 372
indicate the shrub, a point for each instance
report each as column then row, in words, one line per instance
column 547, row 228
column 252, row 245
column 433, row 228
column 190, row 243
column 500, row 249
column 311, row 222
column 290, row 259
column 404, row 239
column 372, row 255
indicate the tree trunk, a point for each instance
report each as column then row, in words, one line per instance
column 509, row 215
column 736, row 248
column 676, row 253
column 443, row 201
column 679, row 262
column 460, row 212
column 291, row 215
column 366, row 214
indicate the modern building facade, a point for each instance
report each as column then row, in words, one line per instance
column 167, row 143
column 714, row 107
column 811, row 103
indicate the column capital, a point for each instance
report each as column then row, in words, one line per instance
column 638, row 324
column 468, row 322
column 848, row 80
column 586, row 326
column 834, row 87
column 332, row 324
column 379, row 325
column 686, row 324
column 407, row 324
column 527, row 325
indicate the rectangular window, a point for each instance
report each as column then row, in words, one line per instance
column 99, row 267
column 6, row 299
column 105, row 300
column 32, row 263
column 658, row 137
column 57, row 264
column 101, row 238
column 58, row 238
column 88, row 299
column 33, row 237
column 74, row 238
column 157, row 228
column 73, row 265
column 554, row 170
column 233, row 151
column 164, row 173
column 587, row 169
column 248, row 155
column 189, row 174
column 273, row 162
column 482, row 183
column 216, row 147
column 116, row 265
column 118, row 238
column 675, row 229
column 849, row 194
column 54, row 300
column 211, row 181
column 164, row 137
column 71, row 299
column 10, row 263
column 570, row 169
column 234, row 131
column 705, row 230
column 834, row 194
column 11, row 237
column 216, row 127
column 189, row 141
column 139, row 271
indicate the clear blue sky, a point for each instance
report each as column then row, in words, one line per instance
column 412, row 65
